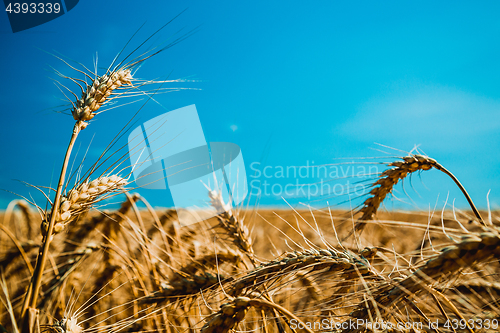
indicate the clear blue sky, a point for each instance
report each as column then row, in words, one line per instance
column 290, row 82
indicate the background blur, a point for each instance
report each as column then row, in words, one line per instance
column 292, row 83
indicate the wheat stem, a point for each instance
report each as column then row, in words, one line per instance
column 390, row 177
column 462, row 188
column 36, row 281
column 19, row 247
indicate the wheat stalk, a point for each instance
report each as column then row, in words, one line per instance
column 390, row 177
column 33, row 289
column 93, row 97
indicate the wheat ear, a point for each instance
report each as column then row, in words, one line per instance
column 235, row 227
column 9, row 256
column 77, row 235
column 186, row 282
column 81, row 198
column 472, row 249
column 25, row 210
column 182, row 286
column 232, row 313
column 100, row 92
column 310, row 286
column 390, row 177
column 294, row 261
column 210, row 260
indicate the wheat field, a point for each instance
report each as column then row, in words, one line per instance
column 137, row 270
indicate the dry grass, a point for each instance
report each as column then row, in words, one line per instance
column 110, row 272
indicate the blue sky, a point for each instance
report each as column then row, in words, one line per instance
column 292, row 83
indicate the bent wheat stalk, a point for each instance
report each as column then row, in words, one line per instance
column 390, row 177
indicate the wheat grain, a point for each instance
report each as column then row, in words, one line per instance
column 99, row 92
column 294, row 261
column 229, row 222
column 390, row 177
column 232, row 313
column 386, row 182
column 181, row 286
column 210, row 260
column 80, row 199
